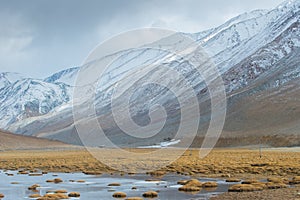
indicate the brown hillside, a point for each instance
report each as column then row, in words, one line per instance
column 9, row 141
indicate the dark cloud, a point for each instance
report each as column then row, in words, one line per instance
column 40, row 37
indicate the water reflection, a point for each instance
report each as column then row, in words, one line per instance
column 15, row 186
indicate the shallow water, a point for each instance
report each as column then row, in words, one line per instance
column 95, row 187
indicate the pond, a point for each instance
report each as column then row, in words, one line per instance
column 15, row 186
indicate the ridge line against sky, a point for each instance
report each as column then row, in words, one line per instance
column 39, row 38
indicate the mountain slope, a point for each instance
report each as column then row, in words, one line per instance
column 9, row 141
column 269, row 108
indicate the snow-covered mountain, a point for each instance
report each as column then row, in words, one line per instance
column 256, row 52
column 21, row 98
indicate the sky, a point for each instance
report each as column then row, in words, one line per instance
column 41, row 37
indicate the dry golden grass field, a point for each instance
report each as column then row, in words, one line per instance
column 239, row 163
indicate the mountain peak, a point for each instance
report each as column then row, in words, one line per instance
column 8, row 78
column 11, row 76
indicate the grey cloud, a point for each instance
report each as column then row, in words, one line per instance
column 57, row 34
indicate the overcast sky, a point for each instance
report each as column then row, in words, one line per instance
column 40, row 37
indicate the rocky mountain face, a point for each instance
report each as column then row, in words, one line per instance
column 257, row 54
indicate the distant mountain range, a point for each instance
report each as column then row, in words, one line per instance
column 258, row 54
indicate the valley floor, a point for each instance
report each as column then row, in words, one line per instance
column 220, row 163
